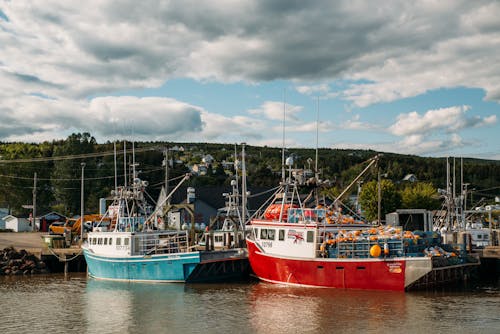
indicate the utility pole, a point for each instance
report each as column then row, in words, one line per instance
column 379, row 198
column 82, row 206
column 243, row 189
column 33, row 227
column 166, row 174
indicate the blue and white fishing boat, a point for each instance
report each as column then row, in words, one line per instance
column 135, row 249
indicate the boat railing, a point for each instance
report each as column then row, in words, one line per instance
column 162, row 243
column 306, row 215
column 362, row 248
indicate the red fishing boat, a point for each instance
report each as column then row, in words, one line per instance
column 296, row 243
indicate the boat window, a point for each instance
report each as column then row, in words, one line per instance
column 99, row 241
column 94, row 241
column 310, row 236
column 256, row 232
column 270, row 234
column 263, row 233
column 479, row 236
column 118, row 241
column 105, row 241
column 281, row 235
column 110, row 241
column 126, row 241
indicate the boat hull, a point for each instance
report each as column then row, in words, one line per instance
column 153, row 268
column 369, row 273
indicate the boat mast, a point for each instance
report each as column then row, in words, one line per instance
column 283, row 143
column 316, row 172
column 243, row 188
column 166, row 172
column 125, row 162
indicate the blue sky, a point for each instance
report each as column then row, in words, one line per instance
column 406, row 77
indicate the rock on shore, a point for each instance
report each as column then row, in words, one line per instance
column 13, row 262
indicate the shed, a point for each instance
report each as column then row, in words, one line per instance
column 17, row 224
column 43, row 222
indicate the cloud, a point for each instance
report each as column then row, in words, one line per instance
column 449, row 119
column 390, row 51
column 356, row 124
column 321, row 89
column 273, row 110
column 58, row 56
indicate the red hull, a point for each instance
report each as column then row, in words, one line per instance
column 372, row 274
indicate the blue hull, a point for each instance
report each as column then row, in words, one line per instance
column 153, row 268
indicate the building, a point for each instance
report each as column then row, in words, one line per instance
column 43, row 222
column 17, row 224
column 410, row 178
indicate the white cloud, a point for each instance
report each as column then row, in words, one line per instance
column 321, row 89
column 449, row 119
column 57, row 56
column 398, row 50
column 355, row 124
column 273, row 110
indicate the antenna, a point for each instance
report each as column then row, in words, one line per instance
column 116, row 176
column 317, row 136
column 283, row 147
column 125, row 162
column 133, row 160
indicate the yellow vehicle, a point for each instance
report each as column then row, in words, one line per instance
column 74, row 224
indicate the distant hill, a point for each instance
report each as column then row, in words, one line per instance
column 58, row 178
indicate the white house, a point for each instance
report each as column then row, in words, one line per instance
column 16, row 224
column 410, row 178
column 207, row 159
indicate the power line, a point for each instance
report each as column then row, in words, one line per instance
column 76, row 156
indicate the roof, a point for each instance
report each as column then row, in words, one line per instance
column 51, row 216
column 212, row 196
column 410, row 177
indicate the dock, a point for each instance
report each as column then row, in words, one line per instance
column 58, row 259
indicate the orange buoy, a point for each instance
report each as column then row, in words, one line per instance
column 375, row 251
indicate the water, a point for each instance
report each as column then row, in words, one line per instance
column 53, row 304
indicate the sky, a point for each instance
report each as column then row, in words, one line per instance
column 409, row 77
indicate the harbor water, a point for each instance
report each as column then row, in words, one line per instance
column 77, row 304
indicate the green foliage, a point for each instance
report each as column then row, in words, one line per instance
column 58, row 182
column 390, row 198
column 420, row 195
column 67, row 173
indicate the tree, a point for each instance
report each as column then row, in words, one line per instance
column 421, row 195
column 66, row 176
column 368, row 198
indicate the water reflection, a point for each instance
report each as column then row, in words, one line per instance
column 314, row 310
column 53, row 304
column 113, row 307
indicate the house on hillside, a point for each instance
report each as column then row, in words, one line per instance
column 207, row 159
column 410, row 178
column 199, row 169
column 17, row 224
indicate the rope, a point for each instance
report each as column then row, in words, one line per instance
column 264, row 192
column 65, row 259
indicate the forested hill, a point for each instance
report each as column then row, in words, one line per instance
column 58, row 168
